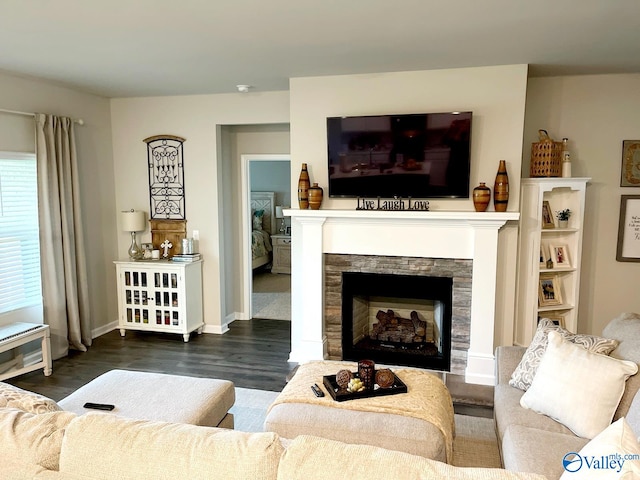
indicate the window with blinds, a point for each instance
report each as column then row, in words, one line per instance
column 20, row 285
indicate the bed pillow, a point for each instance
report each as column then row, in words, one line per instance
column 258, row 215
column 14, row 397
column 615, row 442
column 576, row 387
column 525, row 371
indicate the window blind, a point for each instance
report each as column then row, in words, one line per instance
column 20, row 283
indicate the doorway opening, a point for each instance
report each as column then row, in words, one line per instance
column 266, row 190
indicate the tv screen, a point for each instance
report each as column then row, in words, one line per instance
column 413, row 155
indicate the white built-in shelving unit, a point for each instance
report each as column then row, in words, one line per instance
column 538, row 242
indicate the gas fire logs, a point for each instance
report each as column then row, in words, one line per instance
column 392, row 328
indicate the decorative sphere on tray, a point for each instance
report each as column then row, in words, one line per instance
column 343, row 377
column 355, row 385
column 385, row 378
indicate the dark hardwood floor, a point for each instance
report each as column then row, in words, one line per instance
column 252, row 354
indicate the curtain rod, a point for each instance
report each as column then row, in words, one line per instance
column 79, row 121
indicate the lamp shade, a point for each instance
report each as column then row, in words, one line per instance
column 279, row 212
column 133, row 221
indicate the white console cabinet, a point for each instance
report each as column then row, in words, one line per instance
column 160, row 296
column 540, row 241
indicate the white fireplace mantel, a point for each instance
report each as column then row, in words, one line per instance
column 437, row 234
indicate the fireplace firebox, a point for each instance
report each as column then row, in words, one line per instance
column 397, row 319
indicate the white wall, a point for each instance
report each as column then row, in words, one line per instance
column 199, row 119
column 243, row 139
column 272, row 176
column 95, row 166
column 596, row 113
column 495, row 95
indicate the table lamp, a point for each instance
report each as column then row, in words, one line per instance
column 280, row 215
column 134, row 221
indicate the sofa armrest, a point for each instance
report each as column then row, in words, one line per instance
column 507, row 359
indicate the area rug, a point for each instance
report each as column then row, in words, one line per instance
column 475, row 444
column 272, row 306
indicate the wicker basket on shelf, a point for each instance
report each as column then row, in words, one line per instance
column 546, row 157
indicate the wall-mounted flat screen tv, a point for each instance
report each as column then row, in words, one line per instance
column 413, row 155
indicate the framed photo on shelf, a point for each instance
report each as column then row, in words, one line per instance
column 547, row 216
column 629, row 229
column 630, row 172
column 555, row 317
column 544, row 255
column 549, row 290
column 560, row 256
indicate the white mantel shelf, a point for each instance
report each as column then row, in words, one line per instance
column 410, row 233
column 436, row 216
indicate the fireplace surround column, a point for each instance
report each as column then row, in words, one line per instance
column 480, row 359
column 308, row 340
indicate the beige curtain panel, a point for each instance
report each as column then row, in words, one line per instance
column 63, row 260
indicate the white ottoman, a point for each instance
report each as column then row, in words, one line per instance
column 158, row 396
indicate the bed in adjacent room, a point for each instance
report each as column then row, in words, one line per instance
column 263, row 222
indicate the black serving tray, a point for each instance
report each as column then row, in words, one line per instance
column 342, row 394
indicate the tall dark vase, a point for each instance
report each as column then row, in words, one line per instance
column 303, row 188
column 501, row 188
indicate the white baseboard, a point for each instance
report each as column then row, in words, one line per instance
column 98, row 332
column 480, row 369
column 217, row 329
column 238, row 316
column 310, row 350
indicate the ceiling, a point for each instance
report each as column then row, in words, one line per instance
column 124, row 48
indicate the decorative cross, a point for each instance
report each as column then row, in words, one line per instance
column 166, row 245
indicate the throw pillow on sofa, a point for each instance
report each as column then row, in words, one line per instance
column 14, row 397
column 526, row 369
column 626, row 329
column 614, row 443
column 576, row 387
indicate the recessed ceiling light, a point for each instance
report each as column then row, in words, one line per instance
column 243, row 88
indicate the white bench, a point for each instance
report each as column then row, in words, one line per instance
column 17, row 334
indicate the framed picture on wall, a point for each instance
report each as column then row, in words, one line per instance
column 630, row 172
column 629, row 229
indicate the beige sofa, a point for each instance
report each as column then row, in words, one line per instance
column 532, row 442
column 58, row 445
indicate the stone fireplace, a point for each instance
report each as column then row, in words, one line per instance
column 360, row 290
column 460, row 246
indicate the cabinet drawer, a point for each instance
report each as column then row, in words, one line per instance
column 282, row 241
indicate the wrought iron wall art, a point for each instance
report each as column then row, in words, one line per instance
column 166, row 176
